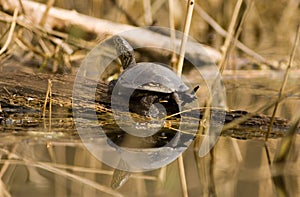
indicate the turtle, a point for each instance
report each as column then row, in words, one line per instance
column 146, row 94
column 155, row 75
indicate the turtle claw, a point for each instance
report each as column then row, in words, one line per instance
column 195, row 90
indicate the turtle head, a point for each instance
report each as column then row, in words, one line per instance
column 190, row 97
column 124, row 51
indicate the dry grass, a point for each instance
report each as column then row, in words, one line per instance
column 58, row 47
column 64, row 47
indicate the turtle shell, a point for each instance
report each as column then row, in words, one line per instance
column 151, row 77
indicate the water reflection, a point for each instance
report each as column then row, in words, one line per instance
column 235, row 168
column 36, row 163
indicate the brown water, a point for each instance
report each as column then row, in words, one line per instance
column 36, row 162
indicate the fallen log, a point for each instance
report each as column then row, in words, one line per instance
column 23, row 93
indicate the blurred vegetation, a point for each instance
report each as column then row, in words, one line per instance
column 269, row 28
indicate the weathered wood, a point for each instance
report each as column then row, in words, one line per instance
column 29, row 90
column 22, row 98
column 25, row 93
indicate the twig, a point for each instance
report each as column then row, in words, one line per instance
column 74, row 177
column 180, row 130
column 52, row 35
column 281, row 158
column 129, row 18
column 44, row 46
column 291, row 59
column 203, row 128
column 224, row 33
column 162, row 174
column 6, row 90
column 181, row 112
column 286, row 143
column 154, row 8
column 76, row 169
column 230, row 35
column 50, row 103
column 267, row 153
column 22, row 7
column 45, row 14
column 3, row 190
column 172, row 34
column 100, row 26
column 157, row 5
column 64, row 173
column 11, row 31
column 205, row 121
column 212, row 185
column 147, row 12
column 288, row 13
column 6, row 165
column 182, row 176
column 4, row 33
column 239, row 29
column 188, row 20
column 23, row 43
column 48, row 95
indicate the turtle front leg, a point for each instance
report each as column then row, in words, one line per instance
column 146, row 103
column 176, row 98
column 142, row 103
